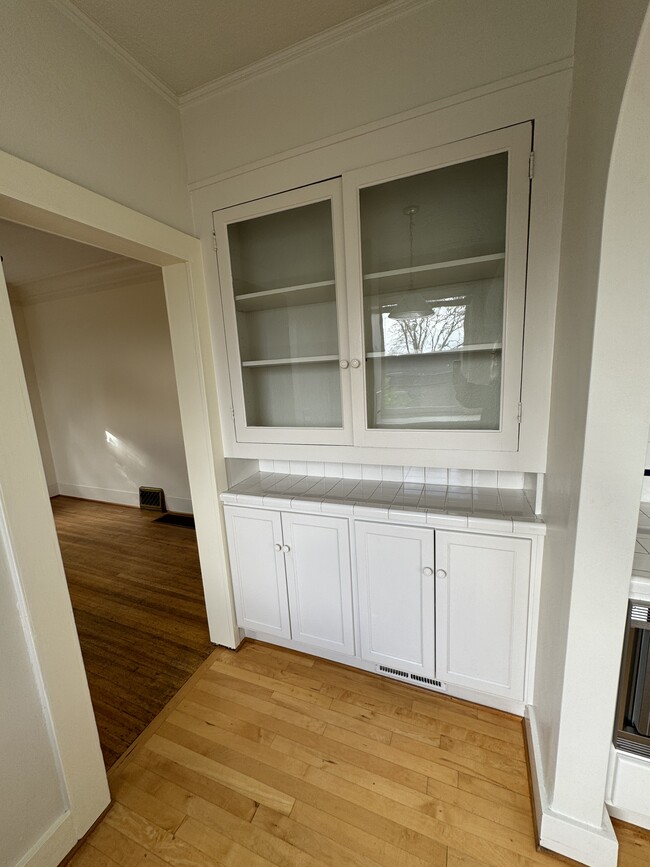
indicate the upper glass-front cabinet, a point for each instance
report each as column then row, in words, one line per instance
column 280, row 266
column 423, row 346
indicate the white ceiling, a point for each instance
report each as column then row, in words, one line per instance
column 31, row 255
column 188, row 44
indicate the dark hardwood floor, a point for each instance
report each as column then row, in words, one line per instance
column 138, row 603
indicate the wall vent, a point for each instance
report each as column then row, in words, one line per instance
column 420, row 680
column 152, row 498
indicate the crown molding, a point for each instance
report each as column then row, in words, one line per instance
column 326, row 38
column 555, row 68
column 111, row 274
column 95, row 32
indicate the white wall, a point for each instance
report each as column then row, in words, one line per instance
column 598, row 426
column 29, row 770
column 34, row 396
column 105, row 375
column 72, row 108
column 441, row 49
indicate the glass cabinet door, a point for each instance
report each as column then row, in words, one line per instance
column 442, row 281
column 280, row 274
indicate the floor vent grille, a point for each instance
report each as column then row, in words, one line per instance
column 420, row 680
column 152, row 498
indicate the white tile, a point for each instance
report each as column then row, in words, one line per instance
column 249, row 500
column 460, row 477
column 267, row 467
column 282, row 467
column 315, row 469
column 228, row 499
column 528, row 528
column 300, row 505
column 407, row 516
column 351, row 471
column 499, row 525
column 271, row 502
column 484, row 478
column 642, row 545
column 414, row 474
column 443, row 521
column 436, row 476
column 337, row 507
column 298, row 468
column 333, row 470
column 373, row 513
column 371, row 472
column 641, row 561
column 510, row 480
column 392, row 474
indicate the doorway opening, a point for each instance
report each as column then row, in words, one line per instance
column 94, row 339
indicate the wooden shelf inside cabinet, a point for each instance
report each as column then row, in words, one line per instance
column 272, row 362
column 476, row 347
column 435, row 274
column 286, row 296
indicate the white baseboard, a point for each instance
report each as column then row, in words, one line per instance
column 53, row 846
column 596, row 847
column 121, row 498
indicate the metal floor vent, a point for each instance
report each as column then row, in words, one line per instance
column 427, row 682
column 152, row 498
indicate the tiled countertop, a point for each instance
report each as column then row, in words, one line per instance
column 505, row 511
column 640, row 587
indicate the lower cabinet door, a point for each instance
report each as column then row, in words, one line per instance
column 258, row 573
column 396, row 596
column 319, row 580
column 482, row 611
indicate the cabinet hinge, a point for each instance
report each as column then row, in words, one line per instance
column 232, row 412
column 531, row 164
column 519, row 413
column 214, row 241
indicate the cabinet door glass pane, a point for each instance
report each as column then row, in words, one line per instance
column 282, row 267
column 433, row 252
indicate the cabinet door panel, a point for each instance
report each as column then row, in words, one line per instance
column 319, row 581
column 482, row 611
column 281, row 272
column 396, row 598
column 258, row 573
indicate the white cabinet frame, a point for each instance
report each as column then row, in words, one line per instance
column 517, row 142
column 247, row 433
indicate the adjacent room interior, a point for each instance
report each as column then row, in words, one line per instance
column 96, row 352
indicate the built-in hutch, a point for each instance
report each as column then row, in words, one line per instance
column 383, row 310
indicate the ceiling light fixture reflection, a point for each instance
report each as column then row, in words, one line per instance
column 413, row 306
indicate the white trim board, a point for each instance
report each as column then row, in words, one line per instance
column 332, row 36
column 628, row 788
column 596, row 847
column 53, row 845
column 120, row 498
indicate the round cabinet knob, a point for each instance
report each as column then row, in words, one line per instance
column 355, row 363
column 344, row 364
column 277, row 546
column 441, row 573
column 285, row 549
column 427, row 571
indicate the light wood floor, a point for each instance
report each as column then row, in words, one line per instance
column 138, row 604
column 272, row 757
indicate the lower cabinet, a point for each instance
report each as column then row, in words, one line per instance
column 450, row 606
column 482, row 611
column 395, row 567
column 292, row 576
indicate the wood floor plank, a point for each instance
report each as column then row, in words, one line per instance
column 264, row 759
column 307, row 841
column 137, row 598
